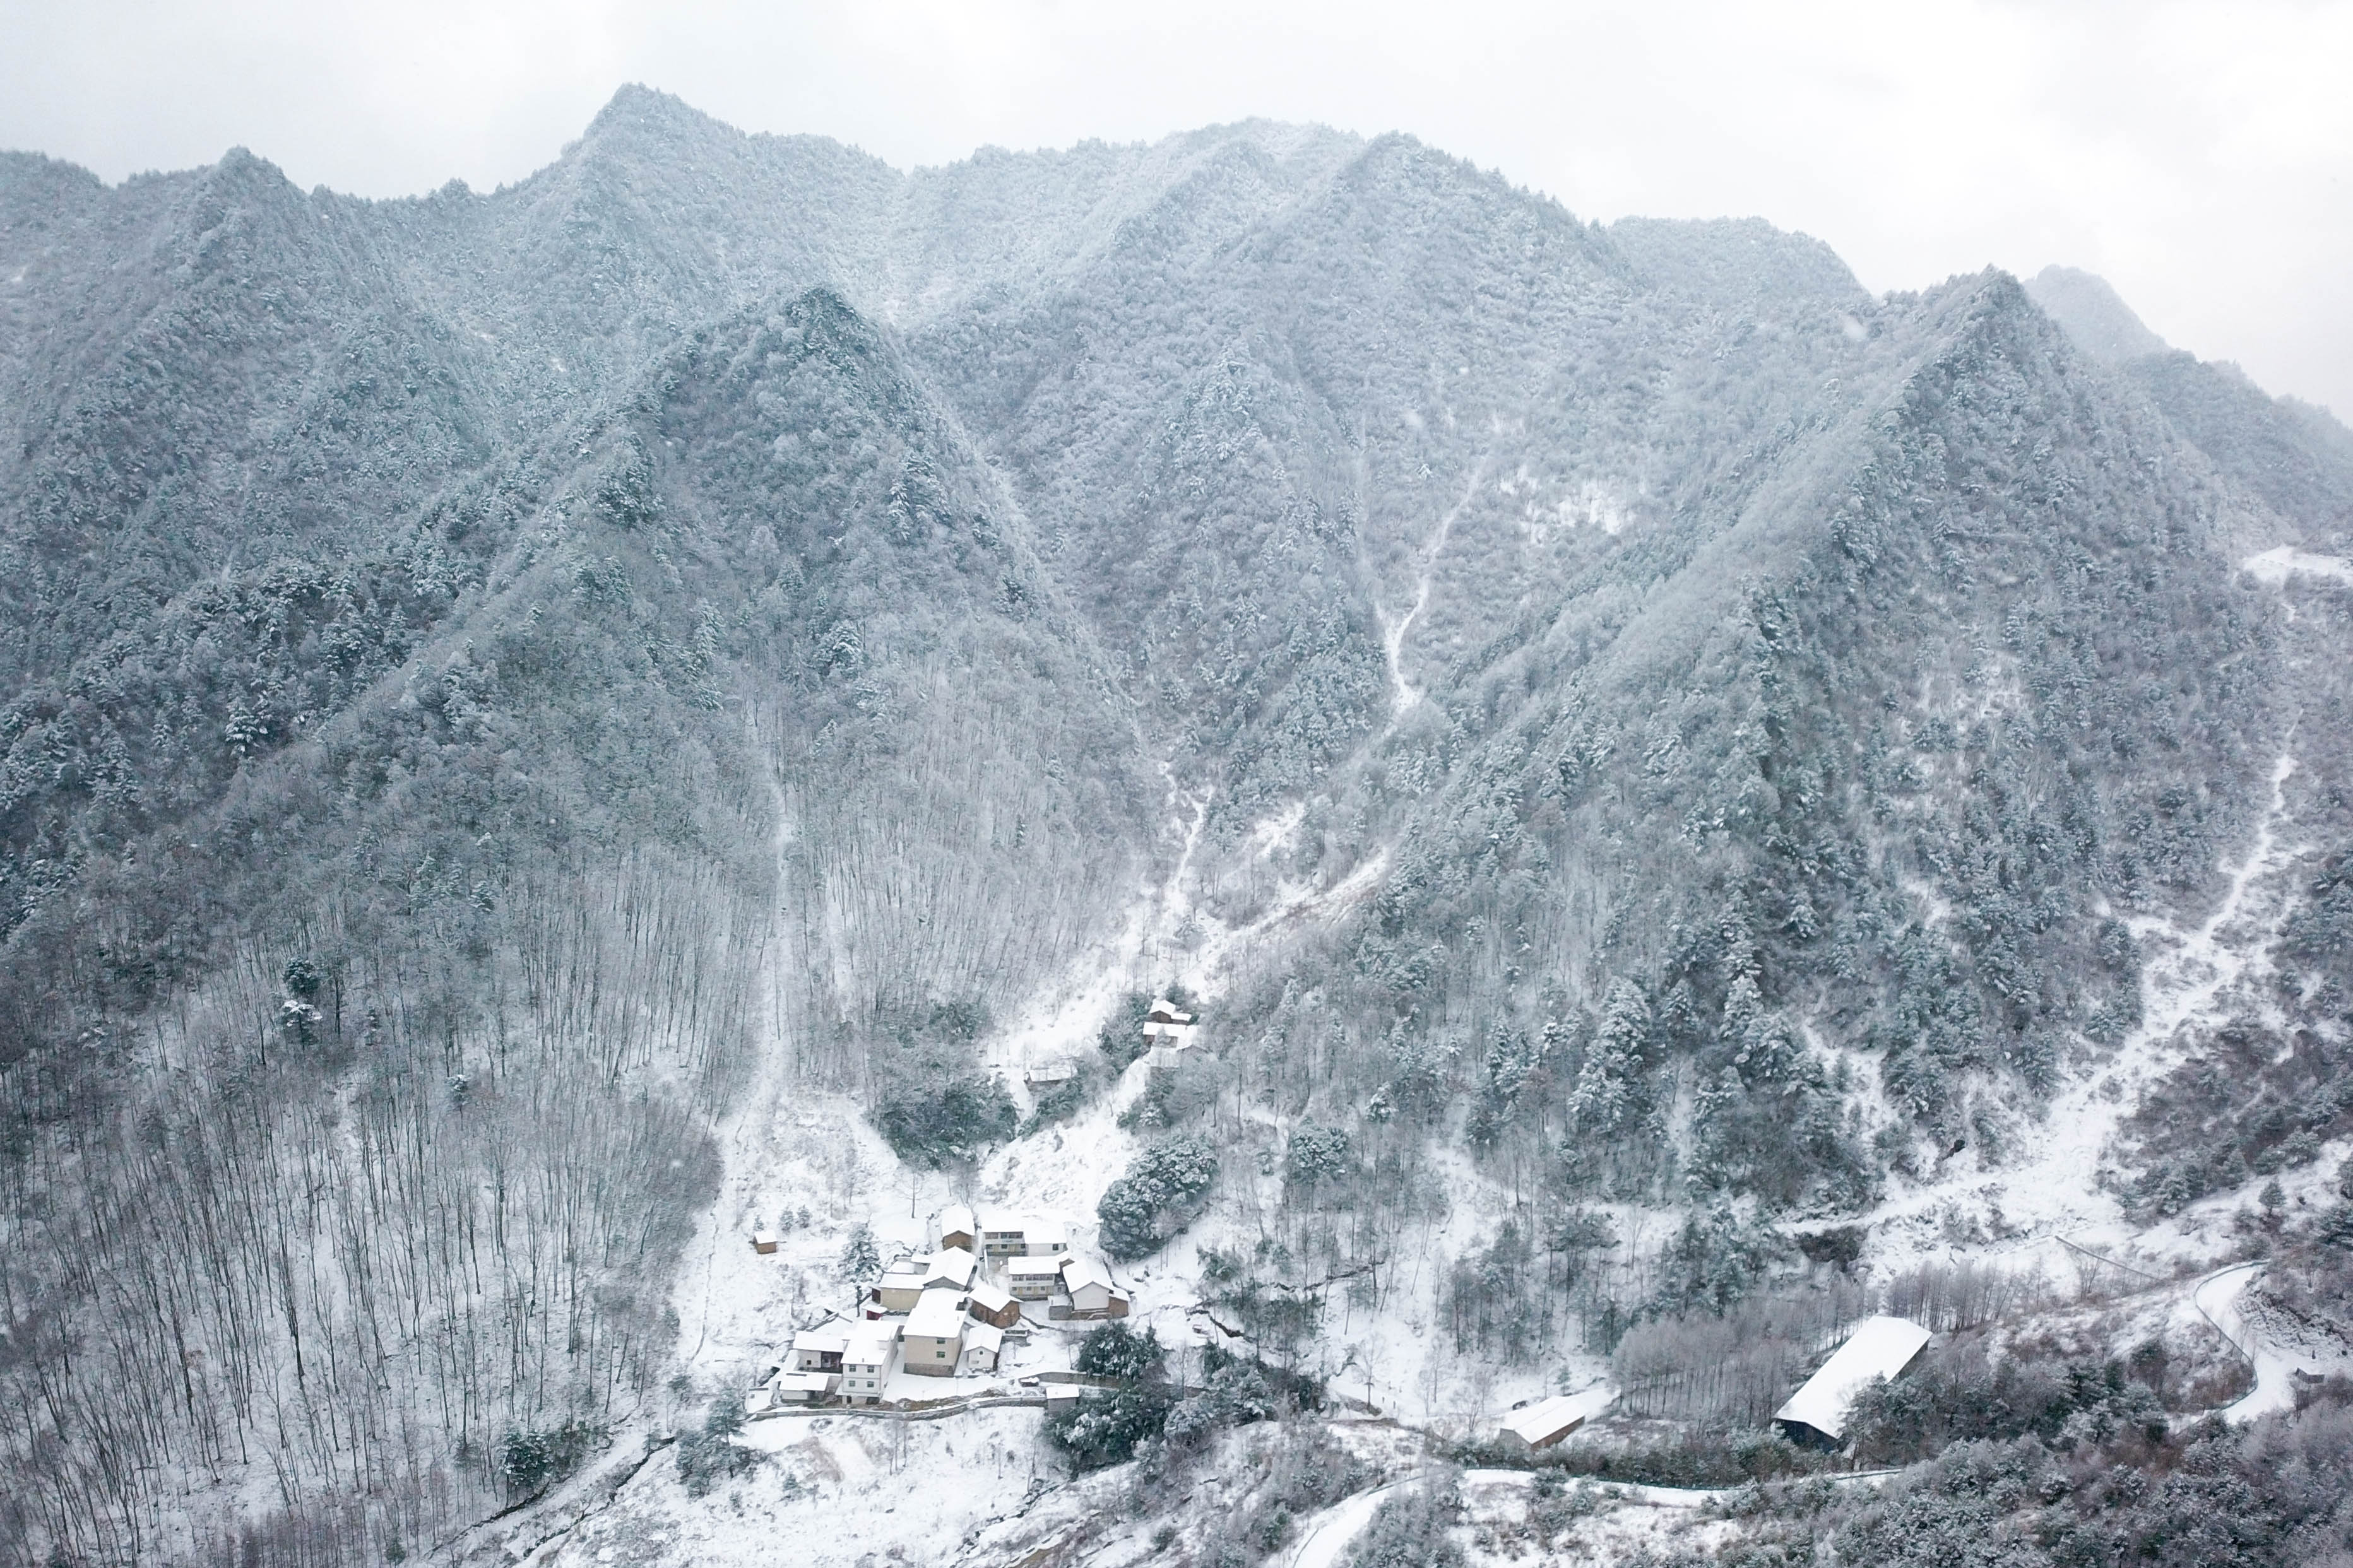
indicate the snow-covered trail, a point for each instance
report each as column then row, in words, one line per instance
column 2183, row 984
column 1393, row 632
column 1330, row 1534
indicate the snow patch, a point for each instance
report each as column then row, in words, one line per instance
column 2275, row 567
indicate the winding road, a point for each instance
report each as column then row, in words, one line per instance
column 2219, row 1298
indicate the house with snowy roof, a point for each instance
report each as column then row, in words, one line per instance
column 868, row 1363
column 983, row 1344
column 1088, row 1283
column 992, row 1304
column 1032, row 1278
column 1548, row 1421
column 1880, row 1350
column 959, row 1227
column 931, row 1344
column 950, row 1268
column 1166, row 1025
column 901, row 1285
column 1023, row 1236
column 789, row 1387
column 820, row 1349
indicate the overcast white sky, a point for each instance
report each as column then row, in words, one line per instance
column 2198, row 155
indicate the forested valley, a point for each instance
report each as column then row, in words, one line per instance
column 1616, row 713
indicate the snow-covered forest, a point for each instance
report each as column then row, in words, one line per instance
column 1663, row 773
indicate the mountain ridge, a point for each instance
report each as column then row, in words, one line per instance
column 1616, row 716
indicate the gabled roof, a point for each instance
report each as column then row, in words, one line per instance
column 938, row 1316
column 950, row 1266
column 1878, row 1348
column 1079, row 1270
column 960, row 1219
column 989, row 1336
column 989, row 1298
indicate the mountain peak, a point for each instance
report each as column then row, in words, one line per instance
column 2094, row 316
column 638, row 113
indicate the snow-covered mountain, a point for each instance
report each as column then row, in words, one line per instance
column 550, row 730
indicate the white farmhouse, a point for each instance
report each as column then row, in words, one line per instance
column 1024, row 1236
column 932, row 1340
column 1032, row 1278
column 820, row 1349
column 866, row 1364
column 1092, row 1292
column 983, row 1344
column 1880, row 1349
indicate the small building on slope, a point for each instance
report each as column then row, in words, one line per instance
column 1092, row 1292
column 1032, row 1278
column 1878, row 1350
column 1166, row 1027
column 866, row 1364
column 959, row 1228
column 950, row 1267
column 1024, row 1236
column 991, row 1304
column 1548, row 1421
column 983, row 1343
column 933, row 1340
column 820, row 1349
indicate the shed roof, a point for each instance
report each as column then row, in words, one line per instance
column 870, row 1346
column 1878, row 1348
column 1045, row 1266
column 806, row 1382
column 1548, row 1420
column 825, row 1338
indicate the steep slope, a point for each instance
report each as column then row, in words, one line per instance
column 1615, row 722
column 460, row 971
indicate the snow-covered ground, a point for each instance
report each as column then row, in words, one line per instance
column 832, row 1491
column 2277, row 566
column 2015, row 1207
column 2277, row 1364
column 980, row 1485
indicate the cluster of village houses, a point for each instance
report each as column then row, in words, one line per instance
column 946, row 1313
